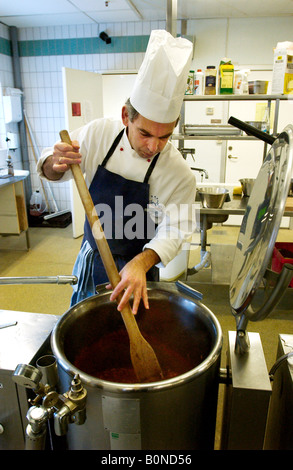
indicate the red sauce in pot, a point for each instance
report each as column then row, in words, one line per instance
column 108, row 358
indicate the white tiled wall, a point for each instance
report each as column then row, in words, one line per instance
column 42, row 82
column 6, row 80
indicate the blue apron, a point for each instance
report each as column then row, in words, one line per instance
column 121, row 206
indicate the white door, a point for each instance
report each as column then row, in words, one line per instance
column 244, row 160
column 116, row 90
column 244, row 157
column 83, row 102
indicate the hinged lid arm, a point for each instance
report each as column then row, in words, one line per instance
column 275, row 296
column 242, row 341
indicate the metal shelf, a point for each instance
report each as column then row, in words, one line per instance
column 212, row 137
column 237, row 97
column 277, row 98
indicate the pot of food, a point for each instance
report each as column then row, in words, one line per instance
column 178, row 412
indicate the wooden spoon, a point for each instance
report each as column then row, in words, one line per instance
column 143, row 357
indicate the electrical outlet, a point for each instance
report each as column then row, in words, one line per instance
column 210, row 111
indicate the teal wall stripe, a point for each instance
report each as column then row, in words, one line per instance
column 94, row 45
column 5, row 47
column 75, row 46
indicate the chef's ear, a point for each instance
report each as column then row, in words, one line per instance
column 125, row 116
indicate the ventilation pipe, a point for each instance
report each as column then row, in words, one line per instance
column 21, row 124
column 171, row 21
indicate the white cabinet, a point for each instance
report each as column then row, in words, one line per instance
column 13, row 214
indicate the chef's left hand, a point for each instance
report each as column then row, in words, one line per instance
column 133, row 280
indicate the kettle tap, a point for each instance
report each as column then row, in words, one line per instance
column 65, row 409
column 73, row 409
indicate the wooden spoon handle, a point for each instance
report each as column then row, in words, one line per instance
column 93, row 219
column 143, row 358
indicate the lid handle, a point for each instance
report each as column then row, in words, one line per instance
column 251, row 130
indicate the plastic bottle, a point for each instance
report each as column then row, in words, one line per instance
column 266, row 125
column 10, row 166
column 190, row 81
column 36, row 200
column 198, row 82
column 241, row 82
column 226, row 77
column 210, row 80
column 245, row 82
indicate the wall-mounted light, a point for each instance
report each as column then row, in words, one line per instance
column 104, row 36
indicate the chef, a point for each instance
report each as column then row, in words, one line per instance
column 141, row 186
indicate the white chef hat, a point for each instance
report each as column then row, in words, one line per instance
column 161, row 81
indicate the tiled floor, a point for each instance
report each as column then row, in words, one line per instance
column 52, row 252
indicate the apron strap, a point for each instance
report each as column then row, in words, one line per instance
column 150, row 169
column 112, row 150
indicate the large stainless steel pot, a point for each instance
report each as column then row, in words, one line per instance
column 176, row 413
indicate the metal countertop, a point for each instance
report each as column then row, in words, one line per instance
column 236, row 206
column 20, row 341
column 19, row 175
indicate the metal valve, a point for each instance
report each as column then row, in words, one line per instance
column 37, row 427
column 27, row 376
column 67, row 408
column 73, row 409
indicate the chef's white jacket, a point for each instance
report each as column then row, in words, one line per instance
column 172, row 183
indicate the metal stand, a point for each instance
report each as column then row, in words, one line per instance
column 247, row 398
column 279, row 433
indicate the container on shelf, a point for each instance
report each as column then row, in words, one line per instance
column 226, row 77
column 282, row 81
column 258, row 87
column 241, row 82
column 199, row 82
column 190, row 83
column 210, row 80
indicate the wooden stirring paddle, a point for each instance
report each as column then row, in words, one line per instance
column 143, row 357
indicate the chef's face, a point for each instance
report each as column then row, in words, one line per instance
column 146, row 137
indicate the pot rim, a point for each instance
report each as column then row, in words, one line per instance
column 142, row 387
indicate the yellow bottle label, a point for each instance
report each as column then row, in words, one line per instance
column 226, row 76
column 288, row 84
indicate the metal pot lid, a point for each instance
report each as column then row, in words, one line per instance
column 260, row 224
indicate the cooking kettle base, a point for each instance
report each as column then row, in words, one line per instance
column 176, row 413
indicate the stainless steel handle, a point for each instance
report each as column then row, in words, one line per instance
column 39, row 280
column 189, row 290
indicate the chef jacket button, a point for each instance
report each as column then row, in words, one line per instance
column 148, row 159
column 121, row 149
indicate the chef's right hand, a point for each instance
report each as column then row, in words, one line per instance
column 59, row 162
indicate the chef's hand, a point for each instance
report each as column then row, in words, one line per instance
column 63, row 156
column 133, row 280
